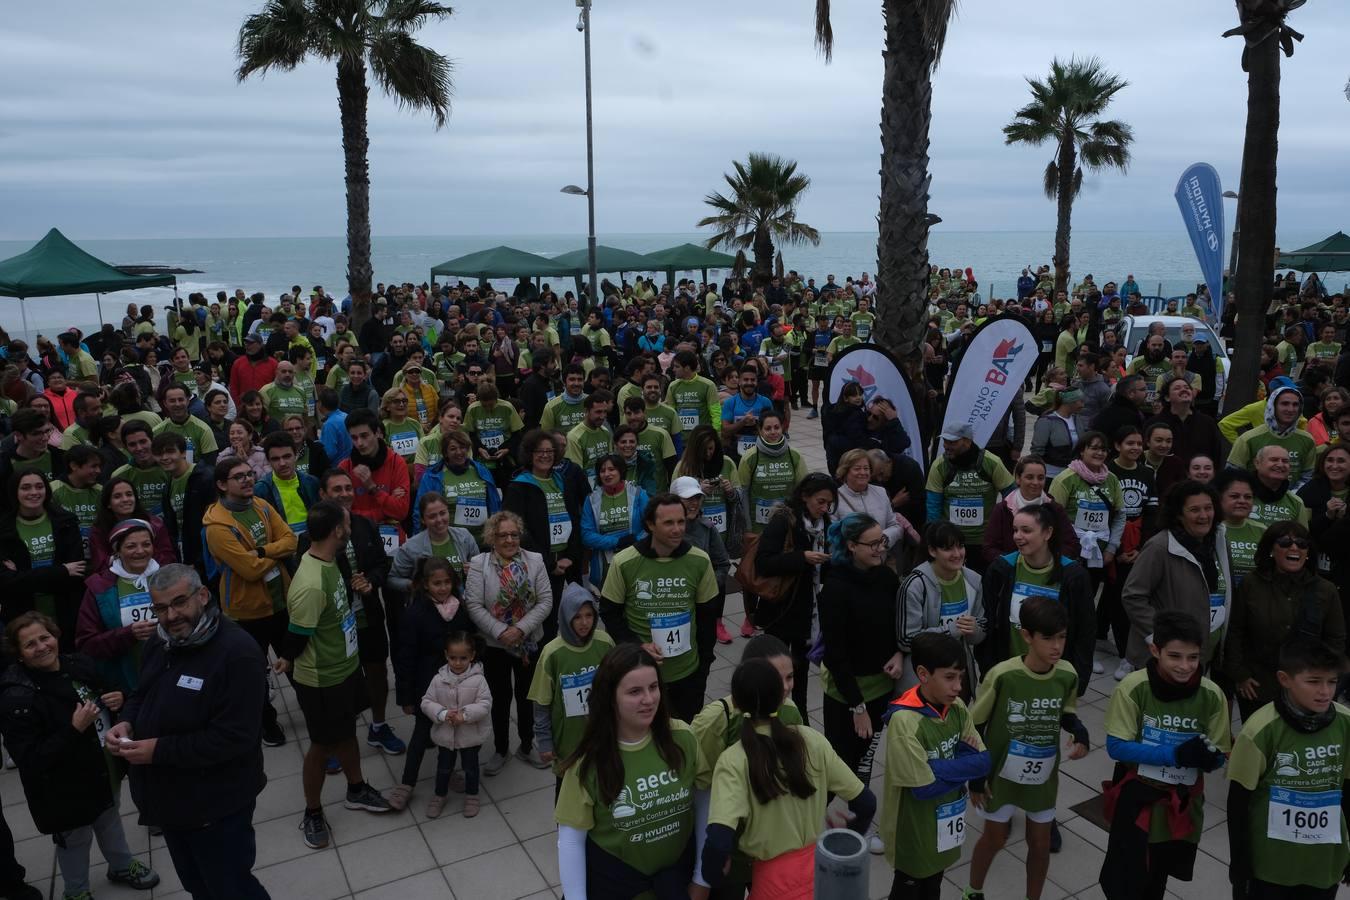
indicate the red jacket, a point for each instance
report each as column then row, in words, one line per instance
column 63, row 407
column 379, row 503
column 247, row 375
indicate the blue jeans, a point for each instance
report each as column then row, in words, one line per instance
column 216, row 862
column 445, row 764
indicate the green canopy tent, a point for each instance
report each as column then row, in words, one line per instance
column 55, row 267
column 1330, row 254
column 689, row 258
column 502, row 262
column 607, row 259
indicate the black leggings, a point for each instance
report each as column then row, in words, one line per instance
column 507, row 676
column 856, row 752
column 1111, row 611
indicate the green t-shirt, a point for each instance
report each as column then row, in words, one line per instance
column 969, row 496
column 257, row 530
column 840, row 344
column 562, row 413
column 769, row 480
column 1301, row 446
column 177, row 494
column 715, row 501
column 200, row 440
column 564, row 672
column 83, row 502
column 1022, row 710
column 664, row 417
column 1297, row 830
column 1319, row 350
column 1135, row 714
column 1151, row 371
column 928, row 833
column 779, row 356
column 1242, row 543
column 659, row 596
column 655, row 442
column 319, row 607
column 282, row 402
column 495, row 426
column 1027, row 582
column 1289, row 507
column 467, row 496
column 403, row 437
column 36, row 535
column 862, row 325
column 1088, row 506
column 696, row 402
column 449, row 551
column 41, row 464
column 585, row 446
column 651, row 822
column 150, row 483
column 615, row 516
column 559, row 521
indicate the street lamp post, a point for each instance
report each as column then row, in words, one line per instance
column 584, row 25
column 1232, row 251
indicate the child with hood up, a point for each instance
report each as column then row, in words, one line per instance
column 561, row 688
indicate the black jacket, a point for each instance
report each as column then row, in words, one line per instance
column 526, row 500
column 1076, row 592
column 790, row 618
column 858, row 618
column 204, row 704
column 1332, row 536
column 187, row 534
column 1118, row 413
column 63, row 771
column 419, row 649
column 533, row 395
column 18, row 587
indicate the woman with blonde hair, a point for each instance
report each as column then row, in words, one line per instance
column 402, row 432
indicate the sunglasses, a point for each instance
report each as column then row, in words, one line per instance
column 1284, row 543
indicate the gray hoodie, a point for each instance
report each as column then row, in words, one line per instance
column 418, row 547
column 920, row 610
column 574, row 596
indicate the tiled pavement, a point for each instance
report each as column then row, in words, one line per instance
column 507, row 852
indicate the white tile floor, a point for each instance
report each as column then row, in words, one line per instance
column 507, row 852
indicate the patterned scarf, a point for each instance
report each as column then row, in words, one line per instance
column 515, row 596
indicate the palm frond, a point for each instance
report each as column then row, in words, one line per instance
column 1077, row 182
column 824, row 30
column 411, row 15
column 276, row 38
column 1052, row 180
column 416, row 76
column 764, row 193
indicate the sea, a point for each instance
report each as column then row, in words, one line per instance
column 1161, row 262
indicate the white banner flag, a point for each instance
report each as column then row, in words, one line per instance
column 990, row 375
column 879, row 376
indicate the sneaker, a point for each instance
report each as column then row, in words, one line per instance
column 383, row 736
column 367, row 798
column 1056, row 839
column 1122, row 670
column 971, row 894
column 332, row 766
column 813, row 413
column 747, row 628
column 272, row 735
column 723, row 636
column 531, row 756
column 493, row 764
column 315, row 829
column 434, row 806
column 398, row 797
column 470, row 806
column 27, row 892
column 82, row 895
column 138, row 875
column 1097, row 668
column 874, row 845
column 457, row 781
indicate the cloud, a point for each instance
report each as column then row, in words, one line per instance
column 124, row 125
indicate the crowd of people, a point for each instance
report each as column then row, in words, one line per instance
column 499, row 506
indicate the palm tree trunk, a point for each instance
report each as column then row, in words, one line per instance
column 1064, row 213
column 902, row 236
column 763, row 257
column 1256, row 220
column 353, row 95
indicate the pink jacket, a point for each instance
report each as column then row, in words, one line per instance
column 467, row 693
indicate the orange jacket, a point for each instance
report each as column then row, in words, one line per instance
column 244, row 591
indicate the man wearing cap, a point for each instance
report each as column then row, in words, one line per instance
column 423, row 404
column 253, row 371
column 963, row 486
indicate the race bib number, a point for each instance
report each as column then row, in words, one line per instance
column 776, row 367
column 1028, row 763
column 492, row 439
column 470, row 512
column 764, row 511
column 389, row 538
column 1047, row 346
column 862, row 330
column 967, row 511
column 746, row 442
column 349, row 633
column 716, row 514
column 688, row 419
column 820, row 359
column 102, row 725
column 1323, row 563
column 404, row 444
column 670, row 632
column 1304, row 817
column 190, row 454
column 559, row 528
column 951, row 825
column 1218, row 615
column 1154, row 736
column 950, row 612
column 576, row 692
column 1020, row 592
column 1091, row 515
column 136, row 608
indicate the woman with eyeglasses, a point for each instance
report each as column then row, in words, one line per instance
column 1283, row 597
column 310, row 458
column 550, row 507
column 401, row 431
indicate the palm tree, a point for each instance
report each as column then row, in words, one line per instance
column 1266, row 34
column 762, row 208
column 353, row 34
column 1063, row 110
column 915, row 32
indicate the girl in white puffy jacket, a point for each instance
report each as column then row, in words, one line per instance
column 459, row 703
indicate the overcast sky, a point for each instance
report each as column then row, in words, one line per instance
column 124, row 120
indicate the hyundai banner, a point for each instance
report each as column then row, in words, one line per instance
column 990, row 375
column 1200, row 197
column 880, row 378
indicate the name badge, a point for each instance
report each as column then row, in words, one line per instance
column 187, row 681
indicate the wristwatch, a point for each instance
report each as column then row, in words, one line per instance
column 859, row 710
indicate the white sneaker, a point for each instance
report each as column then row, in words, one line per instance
column 493, row 764
column 1122, row 670
column 874, row 845
column 1097, row 668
